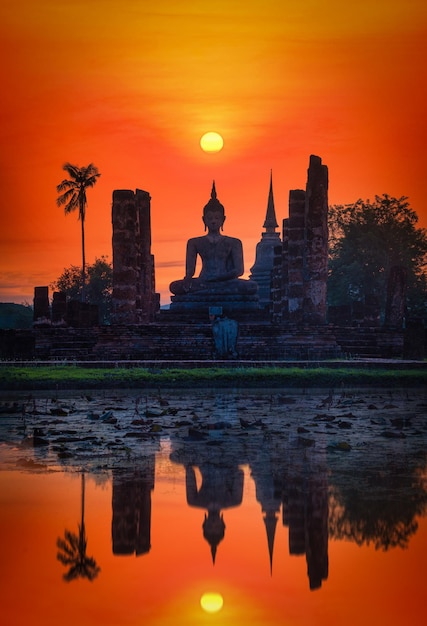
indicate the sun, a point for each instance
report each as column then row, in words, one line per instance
column 211, row 142
column 211, row 602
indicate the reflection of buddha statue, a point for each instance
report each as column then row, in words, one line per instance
column 222, row 264
column 221, row 488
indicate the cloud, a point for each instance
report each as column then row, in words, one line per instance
column 166, row 264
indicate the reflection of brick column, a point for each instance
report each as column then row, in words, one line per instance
column 134, row 300
column 316, row 249
column 317, row 530
column 305, row 511
column 295, row 518
column 131, row 523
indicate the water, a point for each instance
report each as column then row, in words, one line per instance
column 291, row 507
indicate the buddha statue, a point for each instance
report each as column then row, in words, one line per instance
column 222, row 265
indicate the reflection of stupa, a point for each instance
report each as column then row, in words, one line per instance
column 270, row 521
column 263, row 476
column 294, row 481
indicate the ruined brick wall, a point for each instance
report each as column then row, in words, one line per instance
column 301, row 266
column 134, row 299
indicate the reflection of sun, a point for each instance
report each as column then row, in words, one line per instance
column 211, row 142
column 211, row 602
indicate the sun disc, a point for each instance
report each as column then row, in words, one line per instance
column 211, row 602
column 211, row 142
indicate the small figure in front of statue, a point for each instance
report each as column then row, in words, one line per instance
column 225, row 333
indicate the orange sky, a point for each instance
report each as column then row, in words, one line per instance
column 131, row 85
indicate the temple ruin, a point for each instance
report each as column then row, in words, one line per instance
column 280, row 313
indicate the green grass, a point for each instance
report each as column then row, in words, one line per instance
column 74, row 377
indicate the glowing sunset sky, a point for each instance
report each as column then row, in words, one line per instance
column 131, row 85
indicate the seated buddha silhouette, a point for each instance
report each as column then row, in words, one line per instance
column 221, row 256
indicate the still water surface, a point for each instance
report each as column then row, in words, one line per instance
column 214, row 508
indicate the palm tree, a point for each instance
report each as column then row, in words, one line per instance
column 73, row 550
column 73, row 196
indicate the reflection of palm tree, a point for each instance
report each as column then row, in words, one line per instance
column 73, row 550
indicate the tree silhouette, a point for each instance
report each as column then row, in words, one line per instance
column 377, row 504
column 366, row 239
column 99, row 285
column 72, row 550
column 72, row 196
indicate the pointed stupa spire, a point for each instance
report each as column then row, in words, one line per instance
column 270, row 521
column 261, row 271
column 270, row 223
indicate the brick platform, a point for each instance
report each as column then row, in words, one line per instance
column 191, row 342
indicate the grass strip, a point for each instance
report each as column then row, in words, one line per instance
column 75, row 377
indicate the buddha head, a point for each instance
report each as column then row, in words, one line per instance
column 213, row 212
column 214, row 530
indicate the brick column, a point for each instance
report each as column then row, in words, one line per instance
column 296, row 249
column 316, row 251
column 41, row 309
column 134, row 300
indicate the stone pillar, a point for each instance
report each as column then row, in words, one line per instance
column 279, row 278
column 302, row 270
column 147, row 300
column 395, row 303
column 41, row 310
column 125, row 257
column 134, row 300
column 59, row 307
column 295, row 256
column 82, row 314
column 316, row 249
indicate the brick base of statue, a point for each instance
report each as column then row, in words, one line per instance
column 203, row 302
